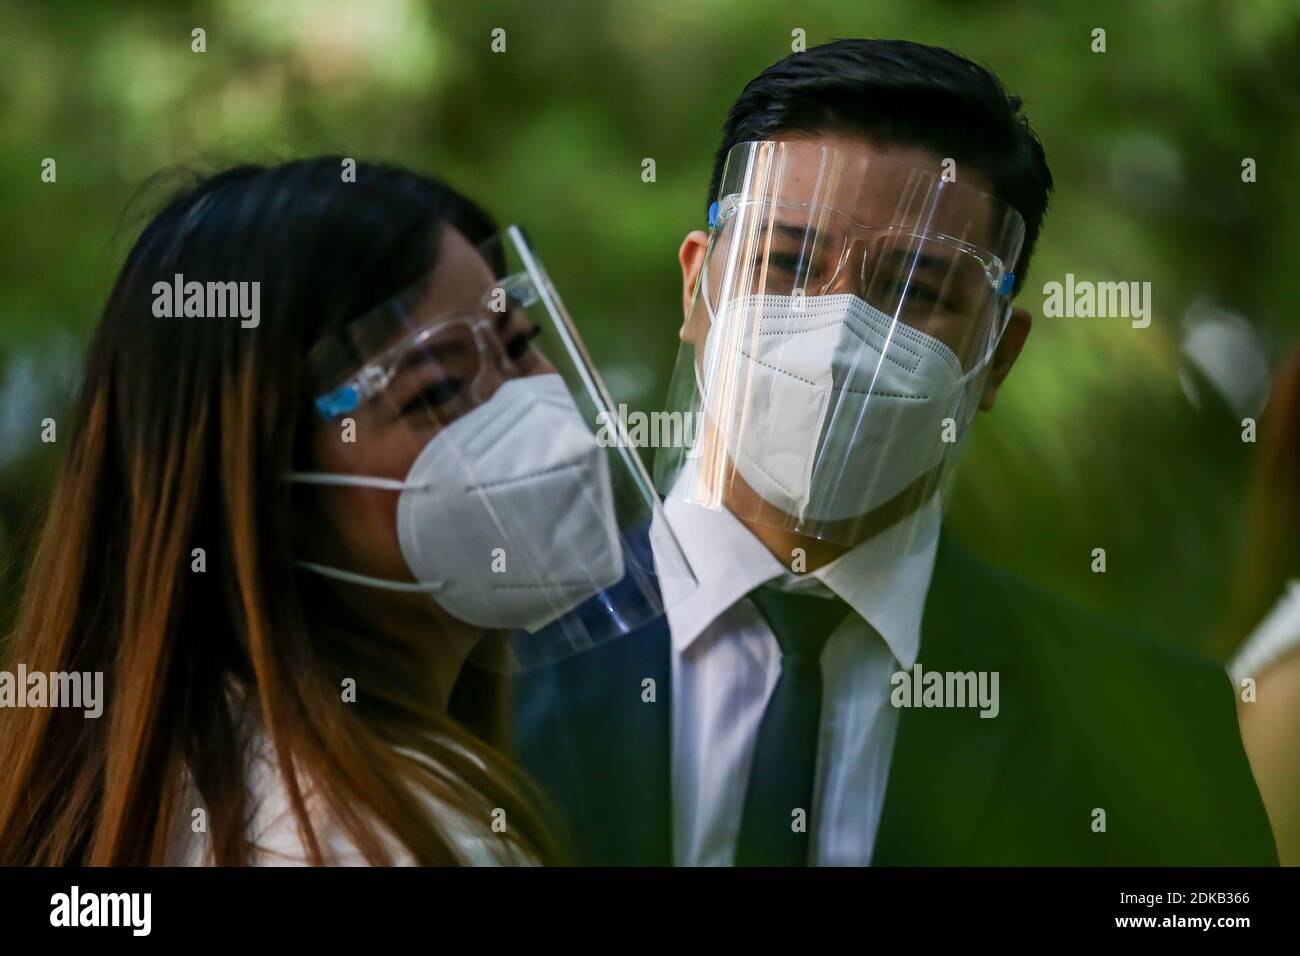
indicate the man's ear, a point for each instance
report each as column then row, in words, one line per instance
column 1008, row 350
column 691, row 258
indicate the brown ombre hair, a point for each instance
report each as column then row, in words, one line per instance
column 182, row 431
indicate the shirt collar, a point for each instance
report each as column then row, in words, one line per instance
column 884, row 579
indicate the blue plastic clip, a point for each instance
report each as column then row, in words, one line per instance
column 338, row 402
column 713, row 214
column 1008, row 283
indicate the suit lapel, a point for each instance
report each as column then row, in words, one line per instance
column 600, row 751
column 642, row 768
column 947, row 760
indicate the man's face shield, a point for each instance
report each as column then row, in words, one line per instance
column 461, row 455
column 849, row 303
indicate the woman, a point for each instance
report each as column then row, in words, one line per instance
column 257, row 712
column 1267, row 608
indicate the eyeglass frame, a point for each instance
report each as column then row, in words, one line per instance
column 378, row 372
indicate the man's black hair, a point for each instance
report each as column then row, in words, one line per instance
column 904, row 93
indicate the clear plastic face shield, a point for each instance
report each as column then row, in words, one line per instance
column 459, row 460
column 848, row 308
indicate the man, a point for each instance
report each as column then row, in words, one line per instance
column 845, row 685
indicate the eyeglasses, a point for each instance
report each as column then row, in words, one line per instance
column 797, row 219
column 371, row 352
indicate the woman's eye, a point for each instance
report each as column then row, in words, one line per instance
column 517, row 345
column 434, row 394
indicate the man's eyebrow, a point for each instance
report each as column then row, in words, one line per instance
column 804, row 235
column 919, row 260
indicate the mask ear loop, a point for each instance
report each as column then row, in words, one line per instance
column 992, row 349
column 703, row 289
column 987, row 359
column 703, row 292
column 1004, row 290
column 366, row 580
column 338, row 574
column 347, row 481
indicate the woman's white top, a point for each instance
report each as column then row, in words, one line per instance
column 1276, row 637
column 273, row 827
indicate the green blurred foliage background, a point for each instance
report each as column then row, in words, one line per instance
column 1106, row 436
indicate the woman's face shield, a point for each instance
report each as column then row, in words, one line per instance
column 460, row 455
column 849, row 303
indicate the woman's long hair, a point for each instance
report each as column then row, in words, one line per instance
column 182, row 431
column 1272, row 543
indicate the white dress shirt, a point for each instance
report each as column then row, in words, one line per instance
column 1276, row 637
column 726, row 661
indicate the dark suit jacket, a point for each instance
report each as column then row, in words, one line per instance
column 1092, row 717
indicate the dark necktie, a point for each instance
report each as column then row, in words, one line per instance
column 785, row 754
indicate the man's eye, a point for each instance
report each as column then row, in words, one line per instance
column 788, row 263
column 912, row 292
